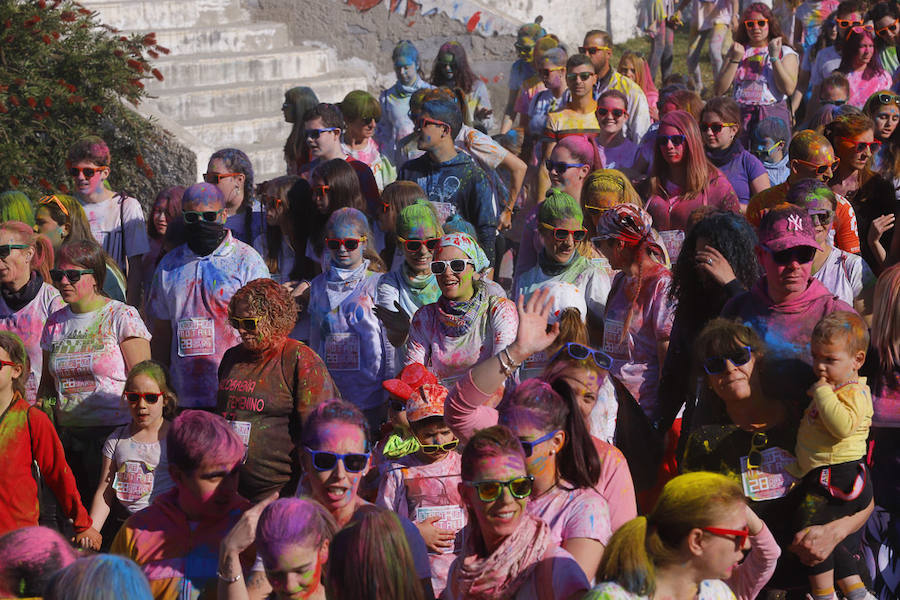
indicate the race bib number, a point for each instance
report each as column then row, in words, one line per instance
column 612, row 334
column 673, row 240
column 453, row 518
column 75, row 373
column 537, row 361
column 133, row 481
column 751, row 92
column 342, row 352
column 196, row 337
column 770, row 480
column 242, row 429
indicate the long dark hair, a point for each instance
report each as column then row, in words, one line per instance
column 464, row 76
column 553, row 408
column 14, row 346
column 850, row 51
column 274, row 236
column 308, row 227
column 88, row 254
column 237, row 161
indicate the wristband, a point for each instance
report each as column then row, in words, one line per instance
column 228, row 579
column 734, row 62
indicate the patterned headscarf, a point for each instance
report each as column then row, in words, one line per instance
column 625, row 222
column 470, row 248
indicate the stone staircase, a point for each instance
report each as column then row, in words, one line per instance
column 225, row 78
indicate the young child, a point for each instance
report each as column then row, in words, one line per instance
column 27, row 437
column 344, row 330
column 135, row 470
column 769, row 142
column 399, row 441
column 423, row 486
column 831, row 446
column 176, row 539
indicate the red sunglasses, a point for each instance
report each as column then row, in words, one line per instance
column 739, row 536
column 423, row 121
column 872, row 147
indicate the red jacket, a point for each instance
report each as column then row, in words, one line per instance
column 26, row 435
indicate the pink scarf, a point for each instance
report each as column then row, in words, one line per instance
column 500, row 575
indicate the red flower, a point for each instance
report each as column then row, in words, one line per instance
column 148, row 172
column 32, row 102
column 75, row 99
column 3, row 109
column 153, row 54
column 97, row 109
column 162, row 49
column 48, row 102
column 136, row 83
column 38, row 117
column 135, row 65
column 42, row 4
column 64, row 188
column 149, row 39
column 70, row 87
column 55, row 35
column 44, row 184
column 67, row 16
column 139, row 159
column 119, row 53
column 85, row 11
column 14, row 101
column 3, row 88
column 19, row 81
column 47, row 39
column 13, row 180
column 157, row 74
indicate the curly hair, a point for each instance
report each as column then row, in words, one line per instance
column 741, row 37
column 734, row 238
column 269, row 301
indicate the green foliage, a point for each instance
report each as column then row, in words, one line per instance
column 64, row 75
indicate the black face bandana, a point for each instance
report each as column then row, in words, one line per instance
column 204, row 237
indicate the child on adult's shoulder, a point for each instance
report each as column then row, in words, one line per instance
column 424, row 486
column 135, row 469
column 831, row 446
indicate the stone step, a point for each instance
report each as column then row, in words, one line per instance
column 241, row 37
column 205, row 102
column 222, row 69
column 267, row 161
column 154, row 15
column 240, row 130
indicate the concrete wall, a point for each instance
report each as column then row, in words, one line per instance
column 363, row 32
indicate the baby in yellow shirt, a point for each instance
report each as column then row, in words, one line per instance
column 831, row 446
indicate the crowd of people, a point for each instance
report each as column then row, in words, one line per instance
column 612, row 341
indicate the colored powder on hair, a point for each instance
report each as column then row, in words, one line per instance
column 559, row 206
column 360, row 104
column 405, row 53
column 417, row 218
column 347, row 222
column 203, row 193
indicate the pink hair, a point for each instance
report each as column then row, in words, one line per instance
column 694, row 162
column 584, row 149
column 42, row 260
column 197, row 437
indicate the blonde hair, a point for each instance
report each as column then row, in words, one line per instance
column 688, row 502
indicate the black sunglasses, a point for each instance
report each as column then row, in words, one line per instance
column 554, row 166
column 314, row 134
column 615, row 112
column 677, row 139
column 194, row 216
column 582, row 76
column 528, row 445
column 326, row 461
column 801, row 254
column 715, row 365
column 5, row 249
column 73, row 275
column 135, row 397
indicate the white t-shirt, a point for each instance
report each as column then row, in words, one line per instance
column 710, row 589
column 28, row 324
column 845, row 275
column 87, row 364
column 105, row 219
column 827, row 60
column 142, row 471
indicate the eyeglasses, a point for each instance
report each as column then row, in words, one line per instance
column 592, row 50
column 617, row 113
column 215, row 178
column 490, row 489
column 547, row 72
column 868, row 27
column 571, row 77
column 762, row 150
column 716, row 128
column 326, row 461
column 845, row 23
column 561, row 167
column 582, row 352
column 56, row 201
column 135, row 397
column 677, row 139
column 421, row 122
column 801, row 254
column 523, row 48
column 759, row 23
column 245, row 323
column 822, row 217
column 892, row 28
column 87, row 172
column 561, row 234
column 6, row 363
column 871, row 147
column 350, row 244
column 271, row 202
column 321, row 190
column 457, row 265
column 758, row 443
column 740, row 535
column 821, row 169
column 885, row 98
column 194, row 216
column 5, row 249
column 528, row 446
column 368, row 121
column 435, row 448
column 715, row 365
column 313, row 134
column 72, row 275
column 416, row 245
